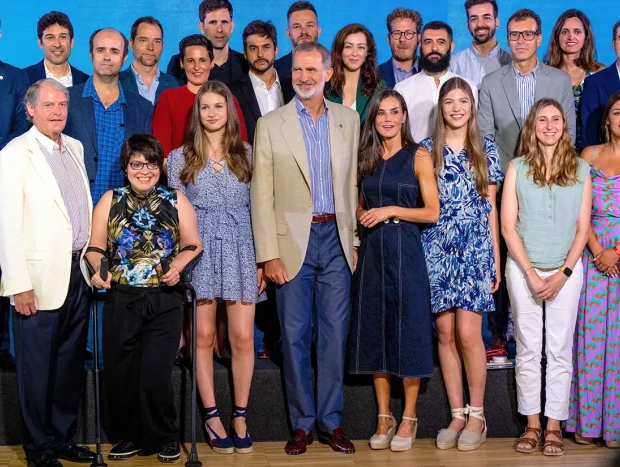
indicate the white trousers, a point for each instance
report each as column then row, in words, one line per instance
column 560, row 318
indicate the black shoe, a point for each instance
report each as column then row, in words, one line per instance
column 7, row 362
column 75, row 453
column 123, row 450
column 44, row 461
column 170, row 452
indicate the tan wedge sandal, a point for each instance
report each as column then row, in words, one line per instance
column 470, row 440
column 447, row 438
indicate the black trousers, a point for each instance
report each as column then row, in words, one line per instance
column 141, row 329
column 50, row 349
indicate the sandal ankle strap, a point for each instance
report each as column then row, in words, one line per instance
column 460, row 413
column 413, row 419
column 239, row 412
column 476, row 412
column 211, row 412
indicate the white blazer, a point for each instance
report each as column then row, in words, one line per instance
column 35, row 230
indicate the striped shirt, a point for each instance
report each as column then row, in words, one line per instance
column 526, row 84
column 110, row 129
column 72, row 189
column 316, row 141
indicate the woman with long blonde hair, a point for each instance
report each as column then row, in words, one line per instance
column 213, row 168
column 462, row 256
column 545, row 221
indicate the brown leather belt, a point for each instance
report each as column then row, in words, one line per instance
column 320, row 218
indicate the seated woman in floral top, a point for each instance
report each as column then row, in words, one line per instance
column 138, row 227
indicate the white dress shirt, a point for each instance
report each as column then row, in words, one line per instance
column 421, row 95
column 268, row 100
column 66, row 81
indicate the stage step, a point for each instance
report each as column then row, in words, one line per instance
column 267, row 416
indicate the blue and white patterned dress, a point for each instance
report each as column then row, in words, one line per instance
column 227, row 269
column 459, row 248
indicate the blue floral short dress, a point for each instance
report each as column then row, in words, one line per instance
column 459, row 248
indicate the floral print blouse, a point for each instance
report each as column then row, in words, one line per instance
column 142, row 230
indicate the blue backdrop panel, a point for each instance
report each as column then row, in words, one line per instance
column 19, row 47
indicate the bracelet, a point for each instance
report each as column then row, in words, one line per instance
column 617, row 249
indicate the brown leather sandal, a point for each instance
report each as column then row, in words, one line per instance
column 532, row 444
column 556, row 444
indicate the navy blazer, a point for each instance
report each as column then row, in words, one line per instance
column 37, row 71
column 283, row 66
column 138, row 113
column 238, row 66
column 166, row 81
column 13, row 86
column 597, row 90
column 386, row 73
column 244, row 92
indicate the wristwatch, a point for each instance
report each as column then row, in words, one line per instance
column 567, row 271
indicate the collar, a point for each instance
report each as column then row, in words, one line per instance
column 492, row 54
column 139, row 78
column 518, row 74
column 90, row 91
column 414, row 68
column 48, row 143
column 48, row 73
column 302, row 110
column 257, row 82
column 442, row 79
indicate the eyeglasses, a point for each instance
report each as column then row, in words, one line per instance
column 140, row 165
column 527, row 35
column 408, row 34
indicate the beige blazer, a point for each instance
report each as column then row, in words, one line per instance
column 35, row 230
column 281, row 202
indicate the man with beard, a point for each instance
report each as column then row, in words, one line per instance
column 261, row 90
column 143, row 75
column 55, row 33
column 303, row 199
column 421, row 91
column 216, row 23
column 303, row 26
column 102, row 114
column 403, row 29
column 485, row 55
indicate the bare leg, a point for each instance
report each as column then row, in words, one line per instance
column 205, row 338
column 241, row 336
column 382, row 390
column 469, row 335
column 450, row 362
column 412, row 388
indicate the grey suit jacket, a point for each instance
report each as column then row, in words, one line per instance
column 499, row 112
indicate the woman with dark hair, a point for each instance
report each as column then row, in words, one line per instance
column 174, row 106
column 594, row 410
column 137, row 228
column 571, row 49
column 462, row 256
column 213, row 168
column 390, row 330
column 545, row 213
column 354, row 60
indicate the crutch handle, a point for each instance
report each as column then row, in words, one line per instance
column 103, row 270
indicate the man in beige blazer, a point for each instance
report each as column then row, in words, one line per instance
column 45, row 218
column 304, row 196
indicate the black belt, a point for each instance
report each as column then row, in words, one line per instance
column 76, row 255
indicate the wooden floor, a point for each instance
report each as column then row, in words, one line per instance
column 495, row 452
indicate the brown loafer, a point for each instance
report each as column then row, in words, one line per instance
column 298, row 443
column 338, row 441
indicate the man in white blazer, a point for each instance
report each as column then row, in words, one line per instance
column 45, row 219
column 303, row 201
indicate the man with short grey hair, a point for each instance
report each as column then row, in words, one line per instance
column 45, row 219
column 304, row 197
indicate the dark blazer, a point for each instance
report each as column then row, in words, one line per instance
column 13, row 86
column 361, row 101
column 231, row 71
column 597, row 90
column 166, row 81
column 37, row 71
column 138, row 114
column 244, row 92
column 283, row 66
column 386, row 73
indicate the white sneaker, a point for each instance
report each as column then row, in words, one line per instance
column 383, row 441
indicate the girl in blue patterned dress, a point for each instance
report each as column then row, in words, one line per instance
column 213, row 168
column 462, row 256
